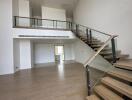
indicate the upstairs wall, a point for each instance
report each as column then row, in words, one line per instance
column 111, row 16
column 53, row 13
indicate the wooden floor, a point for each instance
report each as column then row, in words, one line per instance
column 58, row 82
column 48, row 82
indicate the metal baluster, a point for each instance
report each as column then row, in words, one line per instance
column 88, row 80
column 87, row 36
column 113, row 50
column 90, row 37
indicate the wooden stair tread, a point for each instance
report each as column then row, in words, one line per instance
column 126, row 64
column 106, row 93
column 92, row 97
column 122, row 74
column 118, row 86
column 105, row 49
column 118, row 56
column 96, row 43
column 109, row 52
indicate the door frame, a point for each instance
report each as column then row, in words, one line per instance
column 63, row 50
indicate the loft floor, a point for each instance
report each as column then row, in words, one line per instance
column 48, row 82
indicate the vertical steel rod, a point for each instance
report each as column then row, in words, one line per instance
column 88, row 80
column 90, row 36
column 87, row 36
column 113, row 50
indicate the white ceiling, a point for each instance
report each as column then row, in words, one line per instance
column 68, row 5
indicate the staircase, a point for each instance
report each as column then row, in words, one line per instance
column 117, row 82
column 116, row 85
column 106, row 52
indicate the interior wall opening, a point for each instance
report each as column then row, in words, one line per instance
column 59, row 53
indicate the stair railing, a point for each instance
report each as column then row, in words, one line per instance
column 87, row 63
column 89, row 38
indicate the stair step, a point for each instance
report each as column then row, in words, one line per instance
column 106, row 93
column 105, row 49
column 96, row 43
column 118, row 56
column 93, row 41
column 92, row 97
column 118, row 86
column 97, row 46
column 108, row 53
column 125, row 64
column 122, row 74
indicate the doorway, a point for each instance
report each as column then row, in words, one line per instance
column 59, row 53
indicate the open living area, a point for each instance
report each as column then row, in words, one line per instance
column 65, row 50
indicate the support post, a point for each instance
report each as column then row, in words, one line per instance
column 77, row 30
column 15, row 21
column 87, row 36
column 90, row 37
column 88, row 80
column 113, row 50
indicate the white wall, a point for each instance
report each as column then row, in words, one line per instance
column 44, row 53
column 68, row 51
column 24, row 8
column 15, row 9
column 83, row 52
column 111, row 16
column 6, row 41
column 25, row 54
column 24, row 11
column 53, row 13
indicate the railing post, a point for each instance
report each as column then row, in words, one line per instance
column 88, row 80
column 90, row 37
column 15, row 21
column 34, row 22
column 113, row 50
column 87, row 36
column 77, row 30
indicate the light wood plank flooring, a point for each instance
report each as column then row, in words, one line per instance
column 58, row 82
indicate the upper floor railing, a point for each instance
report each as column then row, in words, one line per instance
column 29, row 22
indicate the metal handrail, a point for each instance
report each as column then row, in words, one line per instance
column 94, row 30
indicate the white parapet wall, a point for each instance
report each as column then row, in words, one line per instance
column 38, row 33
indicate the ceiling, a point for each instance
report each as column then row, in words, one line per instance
column 68, row 5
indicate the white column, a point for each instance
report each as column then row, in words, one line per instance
column 25, row 54
column 6, row 41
